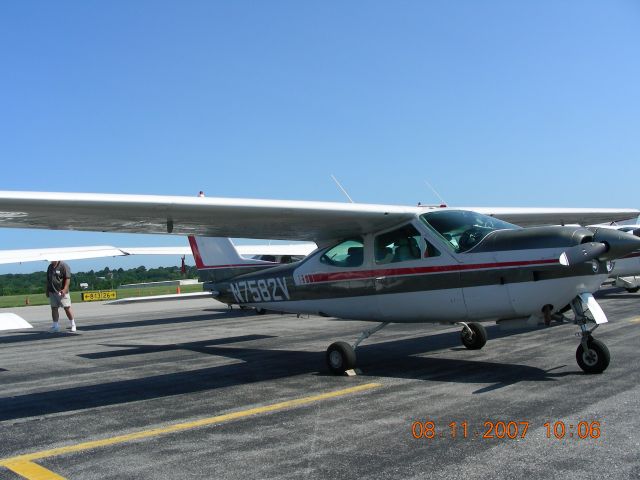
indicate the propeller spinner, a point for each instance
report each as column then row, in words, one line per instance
column 607, row 244
column 582, row 253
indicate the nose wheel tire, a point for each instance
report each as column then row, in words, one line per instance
column 473, row 336
column 595, row 359
column 340, row 357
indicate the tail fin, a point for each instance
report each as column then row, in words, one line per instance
column 217, row 259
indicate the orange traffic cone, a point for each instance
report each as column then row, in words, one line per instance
column 26, row 301
column 178, row 290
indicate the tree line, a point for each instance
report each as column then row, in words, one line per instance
column 105, row 279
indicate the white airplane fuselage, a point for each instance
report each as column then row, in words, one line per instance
column 516, row 279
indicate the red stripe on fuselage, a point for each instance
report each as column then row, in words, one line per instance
column 364, row 274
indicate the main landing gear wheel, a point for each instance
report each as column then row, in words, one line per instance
column 473, row 336
column 340, row 357
column 595, row 359
column 632, row 290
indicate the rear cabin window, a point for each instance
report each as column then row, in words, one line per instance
column 402, row 245
column 349, row 253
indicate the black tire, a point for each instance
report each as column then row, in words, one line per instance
column 260, row 311
column 476, row 339
column 632, row 290
column 596, row 359
column 340, row 357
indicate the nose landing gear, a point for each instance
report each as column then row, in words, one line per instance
column 592, row 355
column 595, row 358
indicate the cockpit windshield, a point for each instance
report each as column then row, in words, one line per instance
column 463, row 229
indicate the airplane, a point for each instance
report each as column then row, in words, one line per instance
column 381, row 263
column 626, row 270
column 273, row 253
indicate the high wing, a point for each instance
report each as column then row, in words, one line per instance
column 319, row 222
column 199, row 216
column 529, row 217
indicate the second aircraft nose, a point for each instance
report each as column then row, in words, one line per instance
column 618, row 243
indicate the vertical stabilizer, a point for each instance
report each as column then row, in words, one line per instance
column 219, row 252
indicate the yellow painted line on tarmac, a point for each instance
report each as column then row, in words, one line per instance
column 32, row 471
column 25, row 461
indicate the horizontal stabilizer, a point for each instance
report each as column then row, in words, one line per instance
column 156, row 250
column 291, row 249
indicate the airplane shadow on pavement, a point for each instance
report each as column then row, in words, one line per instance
column 393, row 359
column 40, row 335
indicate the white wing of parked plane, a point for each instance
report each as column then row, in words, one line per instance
column 11, row 321
column 66, row 253
column 241, row 218
column 80, row 253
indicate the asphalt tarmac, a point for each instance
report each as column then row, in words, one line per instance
column 191, row 390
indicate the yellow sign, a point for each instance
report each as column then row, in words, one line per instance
column 97, row 296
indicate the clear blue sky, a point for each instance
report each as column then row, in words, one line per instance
column 495, row 103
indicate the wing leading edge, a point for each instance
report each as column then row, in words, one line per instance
column 211, row 217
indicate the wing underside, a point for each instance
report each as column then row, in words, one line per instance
column 318, row 222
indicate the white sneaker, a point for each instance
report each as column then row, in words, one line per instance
column 55, row 328
column 73, row 328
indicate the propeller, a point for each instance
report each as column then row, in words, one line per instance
column 582, row 253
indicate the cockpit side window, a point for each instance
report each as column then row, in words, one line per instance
column 430, row 250
column 349, row 253
column 463, row 229
column 401, row 245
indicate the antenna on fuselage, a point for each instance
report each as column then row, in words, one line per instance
column 342, row 188
column 436, row 193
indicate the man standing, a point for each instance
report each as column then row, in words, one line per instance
column 58, row 280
